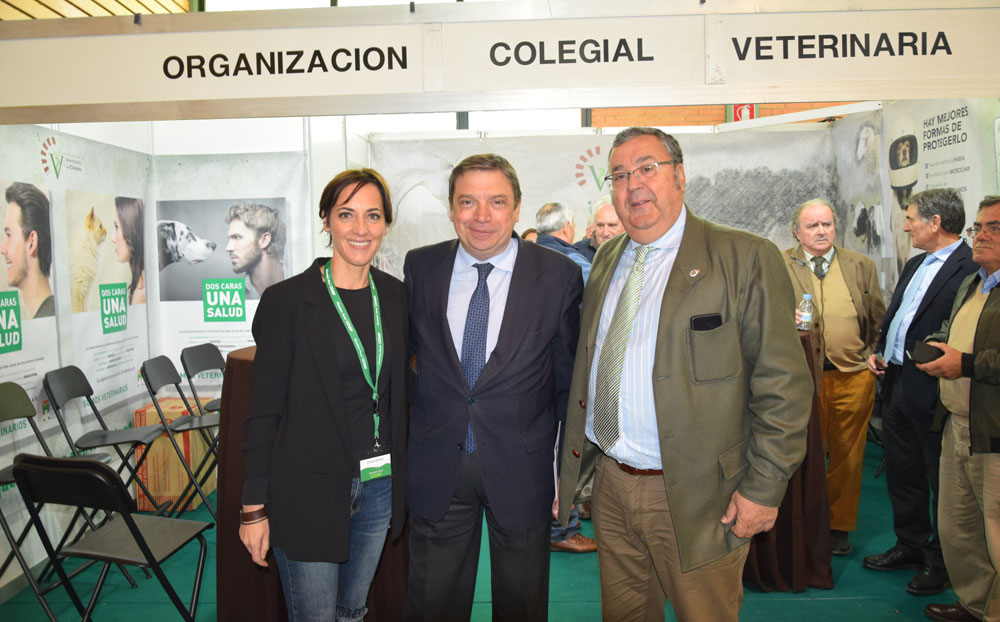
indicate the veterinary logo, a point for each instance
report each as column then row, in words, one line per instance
column 114, row 307
column 10, row 322
column 224, row 300
column 587, row 172
column 54, row 160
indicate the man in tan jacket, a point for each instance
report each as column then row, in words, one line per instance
column 848, row 308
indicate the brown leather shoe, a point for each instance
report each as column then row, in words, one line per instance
column 584, row 510
column 577, row 543
column 954, row 612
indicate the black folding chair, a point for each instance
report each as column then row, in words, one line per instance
column 15, row 404
column 199, row 359
column 68, row 383
column 128, row 538
column 157, row 373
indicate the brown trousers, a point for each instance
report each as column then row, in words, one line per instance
column 845, row 406
column 638, row 556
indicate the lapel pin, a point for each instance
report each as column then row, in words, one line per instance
column 694, row 273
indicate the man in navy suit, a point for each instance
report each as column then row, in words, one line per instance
column 494, row 324
column 921, row 302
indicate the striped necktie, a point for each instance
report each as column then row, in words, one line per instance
column 609, row 366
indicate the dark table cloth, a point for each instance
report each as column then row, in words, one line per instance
column 796, row 553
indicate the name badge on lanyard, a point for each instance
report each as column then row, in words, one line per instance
column 377, row 462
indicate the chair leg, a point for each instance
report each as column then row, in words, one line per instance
column 161, row 506
column 97, row 592
column 196, row 590
column 53, row 556
column 16, row 552
column 187, row 495
column 187, row 614
column 191, row 476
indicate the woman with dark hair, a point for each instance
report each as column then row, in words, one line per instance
column 325, row 436
column 128, row 241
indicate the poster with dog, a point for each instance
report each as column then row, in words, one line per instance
column 216, row 257
column 28, row 345
column 107, row 285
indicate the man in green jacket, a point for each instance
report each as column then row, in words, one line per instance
column 969, row 369
column 690, row 393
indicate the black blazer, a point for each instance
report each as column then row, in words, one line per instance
column 298, row 454
column 921, row 390
column 519, row 398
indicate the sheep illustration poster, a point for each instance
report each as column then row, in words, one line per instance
column 27, row 307
column 107, row 291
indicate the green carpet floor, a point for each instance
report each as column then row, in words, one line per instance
column 860, row 595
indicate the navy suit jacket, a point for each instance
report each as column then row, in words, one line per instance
column 519, row 398
column 920, row 393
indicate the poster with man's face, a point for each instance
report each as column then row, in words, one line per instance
column 220, row 239
column 26, row 248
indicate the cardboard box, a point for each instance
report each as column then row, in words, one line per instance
column 162, row 471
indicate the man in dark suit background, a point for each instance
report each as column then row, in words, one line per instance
column 494, row 324
column 922, row 301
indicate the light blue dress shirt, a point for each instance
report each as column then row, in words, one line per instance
column 464, row 278
column 989, row 281
column 638, row 442
column 895, row 350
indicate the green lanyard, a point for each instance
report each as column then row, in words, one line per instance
column 338, row 304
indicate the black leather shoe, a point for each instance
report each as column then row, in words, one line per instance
column 954, row 612
column 841, row 542
column 894, row 559
column 930, row 580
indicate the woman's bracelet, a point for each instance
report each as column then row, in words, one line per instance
column 253, row 522
column 253, row 516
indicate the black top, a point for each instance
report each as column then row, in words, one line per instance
column 357, row 411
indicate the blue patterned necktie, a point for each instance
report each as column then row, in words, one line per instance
column 904, row 305
column 474, row 338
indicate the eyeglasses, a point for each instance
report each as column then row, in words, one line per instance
column 991, row 228
column 644, row 172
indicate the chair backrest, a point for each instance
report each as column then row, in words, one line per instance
column 202, row 357
column 15, row 404
column 158, row 372
column 65, row 384
column 71, row 481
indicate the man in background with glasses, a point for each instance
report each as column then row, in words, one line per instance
column 969, row 372
column 924, row 294
column 690, row 392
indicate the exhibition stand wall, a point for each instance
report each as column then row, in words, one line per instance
column 175, row 97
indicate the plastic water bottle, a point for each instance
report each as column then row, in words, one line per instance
column 805, row 313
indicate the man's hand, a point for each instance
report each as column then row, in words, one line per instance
column 948, row 365
column 876, row 365
column 747, row 518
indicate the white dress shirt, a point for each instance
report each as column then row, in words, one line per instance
column 638, row 443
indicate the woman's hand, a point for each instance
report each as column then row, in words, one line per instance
column 256, row 537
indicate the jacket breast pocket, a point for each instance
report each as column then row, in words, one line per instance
column 714, row 354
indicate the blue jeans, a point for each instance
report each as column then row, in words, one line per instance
column 558, row 533
column 315, row 591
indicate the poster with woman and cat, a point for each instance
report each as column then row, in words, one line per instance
column 107, row 290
